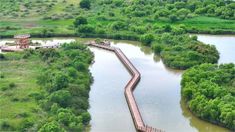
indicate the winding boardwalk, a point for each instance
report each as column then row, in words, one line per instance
column 138, row 121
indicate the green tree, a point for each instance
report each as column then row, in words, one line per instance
column 52, row 126
column 204, row 88
column 2, row 56
column 118, row 25
column 86, row 117
column 62, row 97
column 173, row 18
column 86, row 4
column 86, row 29
column 147, row 39
column 80, row 21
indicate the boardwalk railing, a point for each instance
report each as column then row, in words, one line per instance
column 138, row 121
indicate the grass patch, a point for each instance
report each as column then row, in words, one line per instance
column 208, row 23
column 18, row 83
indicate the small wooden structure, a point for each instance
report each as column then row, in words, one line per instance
column 22, row 41
column 105, row 42
column 100, row 42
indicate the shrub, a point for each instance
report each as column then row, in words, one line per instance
column 2, row 56
column 118, row 25
column 86, row 117
column 62, row 97
column 173, row 18
column 12, row 85
column 26, row 124
column 6, row 126
column 86, row 29
column 2, row 75
column 86, row 4
column 52, row 126
column 80, row 21
column 147, row 39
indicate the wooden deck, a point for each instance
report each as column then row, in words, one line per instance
column 136, row 115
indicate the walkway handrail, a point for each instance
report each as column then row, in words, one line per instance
column 136, row 116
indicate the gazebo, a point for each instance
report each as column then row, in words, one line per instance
column 22, row 41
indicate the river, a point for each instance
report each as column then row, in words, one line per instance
column 157, row 94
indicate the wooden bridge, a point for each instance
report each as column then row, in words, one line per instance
column 138, row 121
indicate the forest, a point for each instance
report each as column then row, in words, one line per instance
column 209, row 91
column 55, row 17
column 123, row 20
column 61, row 89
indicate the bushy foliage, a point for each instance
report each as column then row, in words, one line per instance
column 2, row 56
column 67, row 81
column 147, row 39
column 85, row 4
column 209, row 91
column 80, row 21
column 135, row 20
column 182, row 51
column 52, row 126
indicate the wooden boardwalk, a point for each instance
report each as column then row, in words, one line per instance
column 138, row 121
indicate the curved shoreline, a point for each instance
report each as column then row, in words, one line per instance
column 129, row 88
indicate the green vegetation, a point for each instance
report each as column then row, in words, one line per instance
column 18, row 76
column 59, row 99
column 57, row 16
column 209, row 91
column 46, row 89
column 67, row 83
column 86, row 4
column 152, row 22
column 136, row 21
column 36, row 16
column 182, row 51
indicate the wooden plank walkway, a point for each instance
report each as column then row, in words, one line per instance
column 138, row 121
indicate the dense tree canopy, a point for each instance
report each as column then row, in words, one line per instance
column 80, row 21
column 209, row 91
column 67, row 81
column 59, row 83
column 136, row 20
column 182, row 51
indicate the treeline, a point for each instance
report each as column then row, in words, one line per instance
column 177, row 49
column 182, row 51
column 181, row 9
column 209, row 91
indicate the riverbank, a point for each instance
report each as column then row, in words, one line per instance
column 171, row 47
column 105, row 36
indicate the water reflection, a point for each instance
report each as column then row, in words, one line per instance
column 200, row 125
column 108, row 107
column 156, row 58
column 158, row 93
